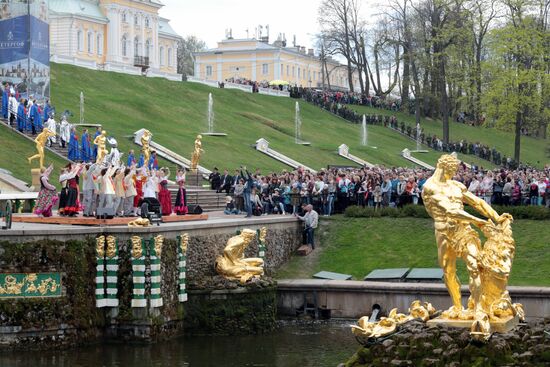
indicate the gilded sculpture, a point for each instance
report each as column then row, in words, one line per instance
column 101, row 142
column 30, row 285
column 100, row 246
column 145, row 146
column 111, row 246
column 233, row 265
column 488, row 266
column 139, row 222
column 137, row 249
column 195, row 157
column 41, row 141
column 159, row 241
column 184, row 242
column 388, row 325
column 263, row 234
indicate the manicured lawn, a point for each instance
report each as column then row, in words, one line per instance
column 532, row 150
column 358, row 245
column 14, row 150
column 176, row 112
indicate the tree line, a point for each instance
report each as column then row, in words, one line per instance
column 487, row 61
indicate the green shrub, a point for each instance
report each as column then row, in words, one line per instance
column 419, row 211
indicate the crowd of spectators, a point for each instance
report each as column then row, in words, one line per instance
column 336, row 102
column 332, row 190
column 254, row 84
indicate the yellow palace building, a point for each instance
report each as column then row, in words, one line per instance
column 257, row 60
column 127, row 36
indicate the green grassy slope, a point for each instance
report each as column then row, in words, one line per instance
column 14, row 150
column 532, row 150
column 359, row 245
column 176, row 112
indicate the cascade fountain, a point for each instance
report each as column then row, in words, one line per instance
column 298, row 127
column 210, row 118
column 364, row 136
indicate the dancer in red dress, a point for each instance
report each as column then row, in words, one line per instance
column 165, row 198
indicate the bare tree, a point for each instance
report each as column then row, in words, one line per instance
column 186, row 47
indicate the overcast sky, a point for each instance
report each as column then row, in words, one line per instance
column 208, row 19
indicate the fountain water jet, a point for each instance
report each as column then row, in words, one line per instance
column 298, row 127
column 210, row 118
column 364, row 136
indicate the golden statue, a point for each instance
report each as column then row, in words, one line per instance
column 101, row 141
column 184, row 242
column 139, row 222
column 100, row 246
column 41, row 141
column 489, row 307
column 388, row 325
column 145, row 148
column 137, row 249
column 159, row 241
column 195, row 157
column 111, row 246
column 232, row 264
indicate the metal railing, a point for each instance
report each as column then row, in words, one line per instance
column 142, row 61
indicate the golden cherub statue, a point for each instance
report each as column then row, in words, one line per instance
column 488, row 266
column 145, row 146
column 195, row 157
column 101, row 141
column 41, row 141
column 232, row 264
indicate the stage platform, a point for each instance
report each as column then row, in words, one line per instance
column 92, row 221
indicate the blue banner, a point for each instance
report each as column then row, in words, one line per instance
column 40, row 41
column 14, row 39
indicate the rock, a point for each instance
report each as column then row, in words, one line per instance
column 437, row 351
column 387, row 343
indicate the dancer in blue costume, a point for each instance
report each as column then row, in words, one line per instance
column 21, row 116
column 73, row 147
column 86, row 151
column 5, row 98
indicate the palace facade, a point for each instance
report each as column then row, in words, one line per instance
column 257, row 60
column 126, row 36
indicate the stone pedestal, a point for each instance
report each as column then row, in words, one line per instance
column 193, row 179
column 35, row 183
column 500, row 326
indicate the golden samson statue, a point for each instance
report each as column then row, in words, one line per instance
column 233, row 265
column 145, row 146
column 101, row 142
column 489, row 306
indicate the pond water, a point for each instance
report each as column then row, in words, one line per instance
column 313, row 344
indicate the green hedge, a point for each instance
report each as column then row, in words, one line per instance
column 419, row 211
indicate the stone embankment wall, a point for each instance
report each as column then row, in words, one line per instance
column 73, row 317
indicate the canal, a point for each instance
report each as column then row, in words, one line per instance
column 294, row 343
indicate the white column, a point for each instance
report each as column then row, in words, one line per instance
column 277, row 66
column 219, row 66
column 254, row 66
column 197, row 72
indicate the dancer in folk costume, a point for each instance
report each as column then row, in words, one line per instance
column 180, row 207
column 47, row 197
column 72, row 204
column 164, row 196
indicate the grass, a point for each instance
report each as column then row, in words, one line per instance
column 176, row 112
column 14, row 150
column 532, row 150
column 358, row 246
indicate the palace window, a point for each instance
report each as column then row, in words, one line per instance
column 136, row 20
column 287, row 70
column 265, row 69
column 90, row 42
column 136, row 47
column 299, row 73
column 147, row 48
column 314, row 75
column 99, row 44
column 161, row 56
column 147, row 22
column 124, row 46
column 208, row 70
column 124, row 17
column 80, row 41
column 169, row 57
column 293, row 71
